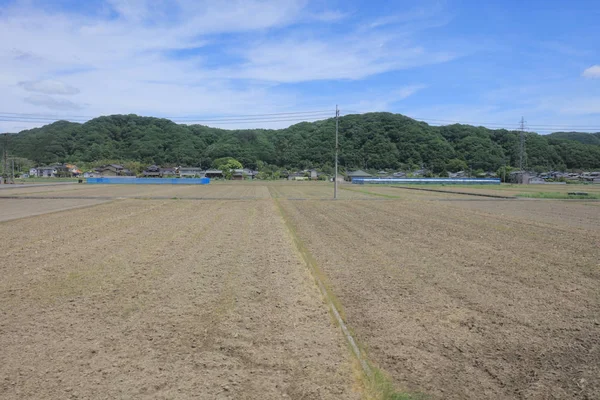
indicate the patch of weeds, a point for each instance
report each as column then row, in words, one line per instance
column 558, row 195
column 381, row 388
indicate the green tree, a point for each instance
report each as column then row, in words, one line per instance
column 456, row 164
column 227, row 165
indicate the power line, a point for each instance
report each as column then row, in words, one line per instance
column 497, row 124
column 314, row 119
column 286, row 117
column 329, row 112
column 184, row 117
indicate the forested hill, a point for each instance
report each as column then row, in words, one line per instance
column 374, row 141
column 585, row 138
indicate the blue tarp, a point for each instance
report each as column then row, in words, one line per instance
column 150, row 181
column 434, row 181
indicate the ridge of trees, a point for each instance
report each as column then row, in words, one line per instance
column 367, row 141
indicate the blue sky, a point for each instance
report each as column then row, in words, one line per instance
column 482, row 62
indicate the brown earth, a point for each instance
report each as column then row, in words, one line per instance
column 164, row 299
column 555, row 213
column 460, row 304
column 452, row 297
column 15, row 209
column 222, row 191
column 508, row 190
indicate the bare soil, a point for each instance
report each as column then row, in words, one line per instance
column 452, row 296
column 222, row 191
column 14, row 209
column 463, row 304
column 511, row 190
column 555, row 214
column 164, row 299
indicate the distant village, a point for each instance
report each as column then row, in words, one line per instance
column 154, row 171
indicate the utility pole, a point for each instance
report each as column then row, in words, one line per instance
column 522, row 143
column 521, row 149
column 5, row 160
column 335, row 179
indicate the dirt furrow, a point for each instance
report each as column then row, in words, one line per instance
column 459, row 307
column 175, row 301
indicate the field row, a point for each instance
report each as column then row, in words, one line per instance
column 155, row 300
column 452, row 296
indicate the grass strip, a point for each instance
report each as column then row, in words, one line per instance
column 376, row 383
column 558, row 195
column 495, row 196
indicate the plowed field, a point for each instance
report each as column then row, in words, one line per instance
column 464, row 304
column 146, row 299
column 211, row 292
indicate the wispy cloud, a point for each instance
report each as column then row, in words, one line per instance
column 592, row 72
column 329, row 16
column 49, row 86
column 127, row 56
column 52, row 102
column 408, row 91
column 350, row 57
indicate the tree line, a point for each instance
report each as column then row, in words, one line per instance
column 367, row 141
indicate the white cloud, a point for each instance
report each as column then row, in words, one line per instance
column 52, row 102
column 48, row 87
column 592, row 72
column 329, row 16
column 408, row 91
column 581, row 106
column 350, row 57
column 125, row 64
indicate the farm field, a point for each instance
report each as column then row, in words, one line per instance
column 465, row 305
column 138, row 291
column 15, row 209
column 218, row 191
column 506, row 190
column 164, row 299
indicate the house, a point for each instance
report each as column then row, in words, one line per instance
column 459, row 174
column 213, row 173
column 237, row 175
column 169, row 172
column 357, row 174
column 46, row 172
column 33, row 172
column 536, row 180
column 152, row 171
column 313, row 175
column 73, row 169
column 113, row 170
column 191, row 172
column 250, row 173
column 297, row 176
